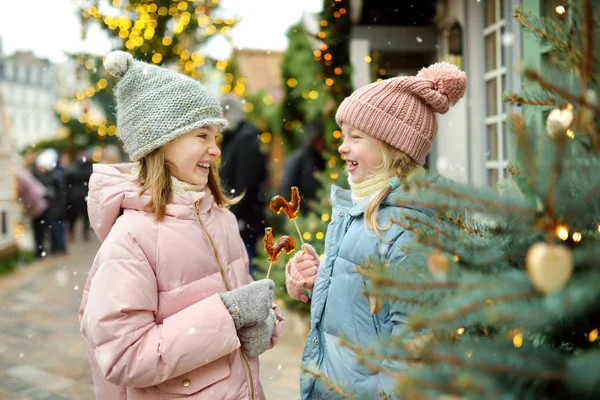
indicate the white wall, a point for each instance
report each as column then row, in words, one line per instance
column 450, row 156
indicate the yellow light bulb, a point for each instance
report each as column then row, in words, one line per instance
column 562, row 232
column 367, row 59
column 460, row 331
column 320, row 235
column 338, row 134
column 157, row 58
column 560, row 10
column 593, row 335
column 313, row 94
column 576, row 236
column 292, row 82
column 570, row 133
column 266, row 137
column 306, row 235
column 325, row 217
column 518, row 340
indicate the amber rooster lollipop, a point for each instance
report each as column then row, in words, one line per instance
column 285, row 243
column 291, row 208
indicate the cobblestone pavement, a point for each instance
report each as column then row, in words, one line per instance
column 42, row 355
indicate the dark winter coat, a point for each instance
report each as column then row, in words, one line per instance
column 56, row 191
column 299, row 171
column 243, row 169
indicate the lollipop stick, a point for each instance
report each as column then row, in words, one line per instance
column 269, row 271
column 299, row 234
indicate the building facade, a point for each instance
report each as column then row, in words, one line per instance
column 27, row 84
column 7, row 185
column 480, row 36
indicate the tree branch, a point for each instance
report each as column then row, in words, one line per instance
column 565, row 94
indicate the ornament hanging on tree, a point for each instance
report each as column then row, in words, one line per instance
column 437, row 265
column 550, row 266
column 558, row 122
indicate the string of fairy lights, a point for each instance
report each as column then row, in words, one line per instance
column 192, row 24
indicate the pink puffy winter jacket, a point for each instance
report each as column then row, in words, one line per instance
column 154, row 324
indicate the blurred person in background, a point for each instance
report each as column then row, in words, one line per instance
column 31, row 194
column 300, row 166
column 111, row 155
column 78, row 175
column 243, row 170
column 52, row 176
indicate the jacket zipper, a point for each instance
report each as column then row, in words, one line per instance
column 228, row 287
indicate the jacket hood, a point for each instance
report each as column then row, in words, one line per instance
column 113, row 188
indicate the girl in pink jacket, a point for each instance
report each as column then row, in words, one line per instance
column 169, row 310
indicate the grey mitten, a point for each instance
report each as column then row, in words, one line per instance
column 256, row 339
column 249, row 304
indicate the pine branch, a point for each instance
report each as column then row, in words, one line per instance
column 514, row 98
column 551, row 194
column 458, row 221
column 587, row 62
column 520, row 129
column 485, row 203
column 451, row 316
column 565, row 94
column 378, row 280
column 416, row 230
column 329, row 384
column 591, row 195
column 541, row 33
column 399, row 376
column 433, row 358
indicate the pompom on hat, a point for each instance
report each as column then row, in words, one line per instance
column 400, row 111
column 156, row 105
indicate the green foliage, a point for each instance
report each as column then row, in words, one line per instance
column 18, row 258
column 160, row 32
column 479, row 325
column 311, row 73
column 301, row 78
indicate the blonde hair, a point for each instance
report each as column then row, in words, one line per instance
column 397, row 164
column 155, row 176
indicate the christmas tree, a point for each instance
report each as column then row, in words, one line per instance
column 502, row 286
column 161, row 32
column 310, row 98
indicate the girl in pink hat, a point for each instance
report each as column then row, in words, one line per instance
column 388, row 129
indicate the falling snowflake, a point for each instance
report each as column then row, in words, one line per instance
column 76, row 287
column 192, row 330
column 442, row 164
column 419, row 39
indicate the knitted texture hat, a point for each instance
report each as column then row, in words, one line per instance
column 400, row 111
column 155, row 105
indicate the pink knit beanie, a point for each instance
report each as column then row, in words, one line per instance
column 400, row 110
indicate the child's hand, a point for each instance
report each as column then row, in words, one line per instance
column 307, row 263
column 249, row 304
column 256, row 339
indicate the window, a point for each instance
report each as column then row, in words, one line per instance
column 4, row 223
column 8, row 69
column 497, row 136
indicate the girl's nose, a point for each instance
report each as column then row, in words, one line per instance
column 343, row 148
column 214, row 151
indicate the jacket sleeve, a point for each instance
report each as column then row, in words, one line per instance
column 398, row 313
column 118, row 322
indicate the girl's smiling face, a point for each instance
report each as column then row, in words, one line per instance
column 191, row 154
column 362, row 153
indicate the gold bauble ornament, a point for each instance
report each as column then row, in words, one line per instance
column 437, row 265
column 550, row 266
column 558, row 122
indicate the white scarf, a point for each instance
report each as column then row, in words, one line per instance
column 369, row 186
